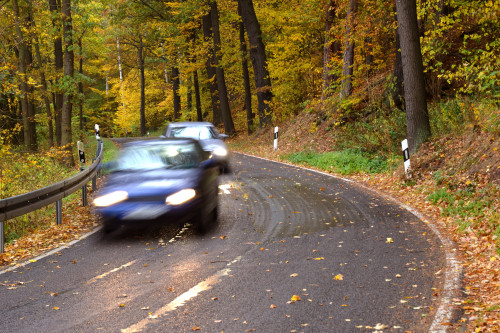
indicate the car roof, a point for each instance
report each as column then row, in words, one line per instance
column 146, row 142
column 190, row 124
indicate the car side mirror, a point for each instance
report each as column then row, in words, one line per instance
column 163, row 136
column 223, row 136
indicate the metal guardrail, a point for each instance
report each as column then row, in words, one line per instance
column 28, row 202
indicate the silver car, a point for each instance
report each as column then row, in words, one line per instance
column 208, row 136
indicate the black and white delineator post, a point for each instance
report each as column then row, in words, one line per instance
column 81, row 153
column 97, row 133
column 276, row 138
column 406, row 155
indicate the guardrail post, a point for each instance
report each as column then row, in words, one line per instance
column 84, row 195
column 94, row 179
column 1, row 238
column 59, row 212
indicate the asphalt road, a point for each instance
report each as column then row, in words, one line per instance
column 294, row 251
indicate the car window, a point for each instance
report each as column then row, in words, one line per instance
column 179, row 156
column 197, row 133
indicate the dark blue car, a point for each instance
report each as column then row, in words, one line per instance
column 166, row 181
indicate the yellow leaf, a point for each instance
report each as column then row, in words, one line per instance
column 56, row 308
column 389, row 240
column 339, row 277
column 320, row 258
column 295, row 298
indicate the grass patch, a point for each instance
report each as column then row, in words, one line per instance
column 345, row 162
column 25, row 172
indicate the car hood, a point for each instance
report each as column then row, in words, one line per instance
column 210, row 145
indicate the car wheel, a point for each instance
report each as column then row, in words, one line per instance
column 109, row 227
column 206, row 221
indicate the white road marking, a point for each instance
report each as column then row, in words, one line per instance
column 102, row 276
column 225, row 188
column 181, row 300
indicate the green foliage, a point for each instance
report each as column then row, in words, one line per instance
column 460, row 47
column 344, row 162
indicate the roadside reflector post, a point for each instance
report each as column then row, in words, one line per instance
column 81, row 154
column 97, row 133
column 276, row 138
column 406, row 156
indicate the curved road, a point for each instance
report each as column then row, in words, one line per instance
column 294, row 251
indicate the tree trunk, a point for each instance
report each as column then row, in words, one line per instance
column 210, row 66
column 59, row 63
column 22, row 61
column 331, row 48
column 175, row 86
column 259, row 61
column 140, row 60
column 219, row 71
column 80, row 84
column 43, row 82
column 199, row 113
column 66, row 134
column 417, row 118
column 397, row 91
column 348, row 62
column 246, row 75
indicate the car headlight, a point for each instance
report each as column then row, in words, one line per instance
column 181, row 197
column 220, row 151
column 110, row 199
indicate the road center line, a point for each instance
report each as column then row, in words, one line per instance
column 102, row 276
column 181, row 300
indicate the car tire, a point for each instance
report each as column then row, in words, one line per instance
column 109, row 227
column 206, row 221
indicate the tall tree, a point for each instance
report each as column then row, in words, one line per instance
column 176, row 85
column 58, row 63
column 219, row 71
column 246, row 74
column 417, row 117
column 348, row 62
column 43, row 81
column 66, row 132
column 29, row 139
column 259, row 61
column 210, row 67
column 140, row 62
column 331, row 48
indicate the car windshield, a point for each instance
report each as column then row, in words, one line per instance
column 161, row 156
column 193, row 132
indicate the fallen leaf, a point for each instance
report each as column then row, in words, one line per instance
column 295, row 298
column 389, row 240
column 339, row 277
column 273, row 306
column 196, row 328
column 294, row 275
